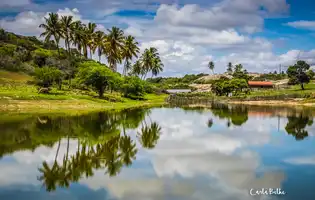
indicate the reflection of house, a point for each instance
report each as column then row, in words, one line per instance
column 260, row 114
column 260, row 84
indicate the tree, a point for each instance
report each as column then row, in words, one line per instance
column 149, row 61
column 230, row 69
column 52, row 27
column 91, row 37
column 96, row 75
column 298, row 73
column 130, row 50
column 113, row 47
column 133, row 87
column 211, row 66
column 67, row 25
column 46, row 76
column 99, row 39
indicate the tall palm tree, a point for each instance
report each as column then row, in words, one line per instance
column 157, row 67
column 52, row 29
column 130, row 50
column 230, row 68
column 113, row 47
column 67, row 25
column 77, row 35
column 91, row 35
column 148, row 60
column 99, row 39
column 211, row 66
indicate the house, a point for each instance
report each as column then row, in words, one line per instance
column 260, row 84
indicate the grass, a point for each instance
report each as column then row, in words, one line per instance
column 17, row 95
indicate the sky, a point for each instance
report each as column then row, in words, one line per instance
column 259, row 34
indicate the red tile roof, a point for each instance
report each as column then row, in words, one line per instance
column 260, row 83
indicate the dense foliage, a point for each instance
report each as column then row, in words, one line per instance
column 226, row 86
column 52, row 65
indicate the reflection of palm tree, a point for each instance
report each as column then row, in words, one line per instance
column 296, row 126
column 49, row 175
column 149, row 135
column 128, row 150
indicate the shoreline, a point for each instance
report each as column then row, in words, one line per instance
column 73, row 106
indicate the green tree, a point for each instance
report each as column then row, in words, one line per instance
column 298, row 73
column 230, row 69
column 67, row 25
column 52, row 28
column 99, row 40
column 46, row 76
column 91, row 27
column 96, row 75
column 211, row 66
column 113, row 47
column 133, row 87
column 130, row 50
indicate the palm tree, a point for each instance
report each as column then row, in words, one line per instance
column 91, row 35
column 99, row 39
column 211, row 66
column 52, row 28
column 230, row 68
column 130, row 50
column 113, row 47
column 67, row 25
column 157, row 67
column 149, row 58
column 77, row 35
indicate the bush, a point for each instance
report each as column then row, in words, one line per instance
column 133, row 88
column 46, row 76
column 96, row 75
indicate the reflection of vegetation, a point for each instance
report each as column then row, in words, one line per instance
column 102, row 142
column 236, row 115
column 149, row 135
column 296, row 126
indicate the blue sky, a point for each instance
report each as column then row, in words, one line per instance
column 260, row 34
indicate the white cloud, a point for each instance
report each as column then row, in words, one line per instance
column 303, row 24
column 187, row 36
column 309, row 160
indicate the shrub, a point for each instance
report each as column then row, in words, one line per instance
column 133, row 88
column 96, row 75
column 46, row 76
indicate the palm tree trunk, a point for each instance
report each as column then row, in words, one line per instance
column 90, row 53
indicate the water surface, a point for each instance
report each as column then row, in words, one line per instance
column 160, row 153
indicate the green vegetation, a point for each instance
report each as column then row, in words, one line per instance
column 55, row 73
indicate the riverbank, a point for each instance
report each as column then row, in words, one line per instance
column 76, row 105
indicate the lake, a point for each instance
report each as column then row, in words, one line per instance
column 222, row 153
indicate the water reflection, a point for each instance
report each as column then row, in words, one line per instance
column 164, row 153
